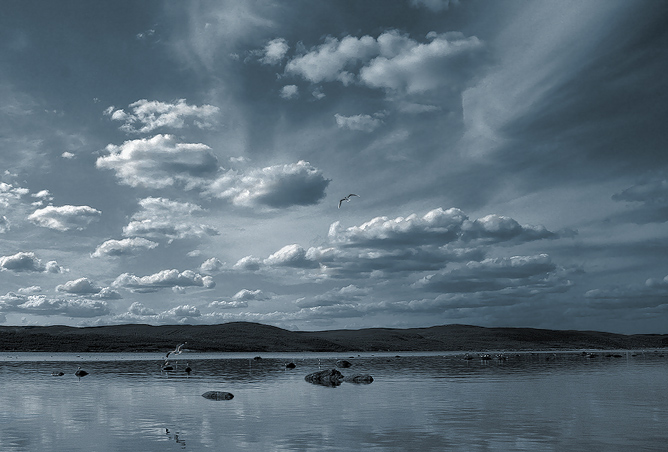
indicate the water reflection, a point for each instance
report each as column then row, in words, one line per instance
column 527, row 401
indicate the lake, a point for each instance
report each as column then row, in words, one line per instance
column 614, row 401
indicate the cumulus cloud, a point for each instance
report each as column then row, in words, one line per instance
column 160, row 162
column 145, row 116
column 27, row 262
column 65, row 218
column 139, row 309
column 222, row 304
column 275, row 51
column 10, row 194
column 248, row 295
column 162, row 218
column 289, row 92
column 394, row 61
column 402, row 246
column 363, row 123
column 211, row 266
column 163, row 279
column 42, row 305
column 79, row 286
column 67, row 155
column 276, row 186
column 30, row 290
column 124, row 247
column 330, row 61
column 138, row 313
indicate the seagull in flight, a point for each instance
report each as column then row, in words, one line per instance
column 176, row 351
column 347, row 199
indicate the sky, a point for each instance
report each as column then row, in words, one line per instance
column 183, row 163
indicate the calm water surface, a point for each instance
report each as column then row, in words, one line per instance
column 427, row 402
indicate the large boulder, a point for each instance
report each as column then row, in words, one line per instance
column 218, row 395
column 362, row 379
column 330, row 377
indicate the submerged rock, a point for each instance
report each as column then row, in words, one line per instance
column 330, row 377
column 343, row 363
column 290, row 365
column 362, row 379
column 218, row 395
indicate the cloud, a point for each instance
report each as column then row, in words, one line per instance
column 67, row 155
column 363, row 123
column 42, row 305
column 211, row 266
column 434, row 5
column 138, row 313
column 30, row 290
column 162, row 218
column 5, row 225
column 123, row 247
column 27, row 262
column 436, row 226
column 146, row 116
column 652, row 294
column 275, row 51
column 81, row 286
column 222, row 304
column 394, row 62
column 161, row 280
column 350, row 294
column 65, row 218
column 535, row 273
column 289, row 92
column 276, row 186
column 160, row 162
column 248, row 295
column 329, row 61
column 399, row 247
column 649, row 198
column 292, row 256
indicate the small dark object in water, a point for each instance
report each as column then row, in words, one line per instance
column 363, row 379
column 330, row 377
column 80, row 373
column 290, row 365
column 188, row 369
column 485, row 357
column 218, row 395
column 343, row 363
column 57, row 374
column 468, row 357
column 257, row 358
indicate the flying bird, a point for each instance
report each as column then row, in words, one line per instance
column 176, row 351
column 347, row 199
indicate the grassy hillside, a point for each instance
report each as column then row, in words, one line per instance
column 254, row 337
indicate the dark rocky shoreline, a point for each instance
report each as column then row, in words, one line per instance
column 255, row 337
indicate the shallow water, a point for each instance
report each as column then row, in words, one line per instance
column 425, row 402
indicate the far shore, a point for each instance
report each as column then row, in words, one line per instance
column 248, row 337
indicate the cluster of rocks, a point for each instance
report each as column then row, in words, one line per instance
column 333, row 377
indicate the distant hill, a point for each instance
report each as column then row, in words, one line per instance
column 255, row 337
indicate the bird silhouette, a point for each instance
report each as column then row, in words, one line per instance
column 80, row 372
column 176, row 351
column 347, row 199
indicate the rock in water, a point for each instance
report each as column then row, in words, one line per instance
column 330, row 377
column 363, row 379
column 343, row 363
column 218, row 395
